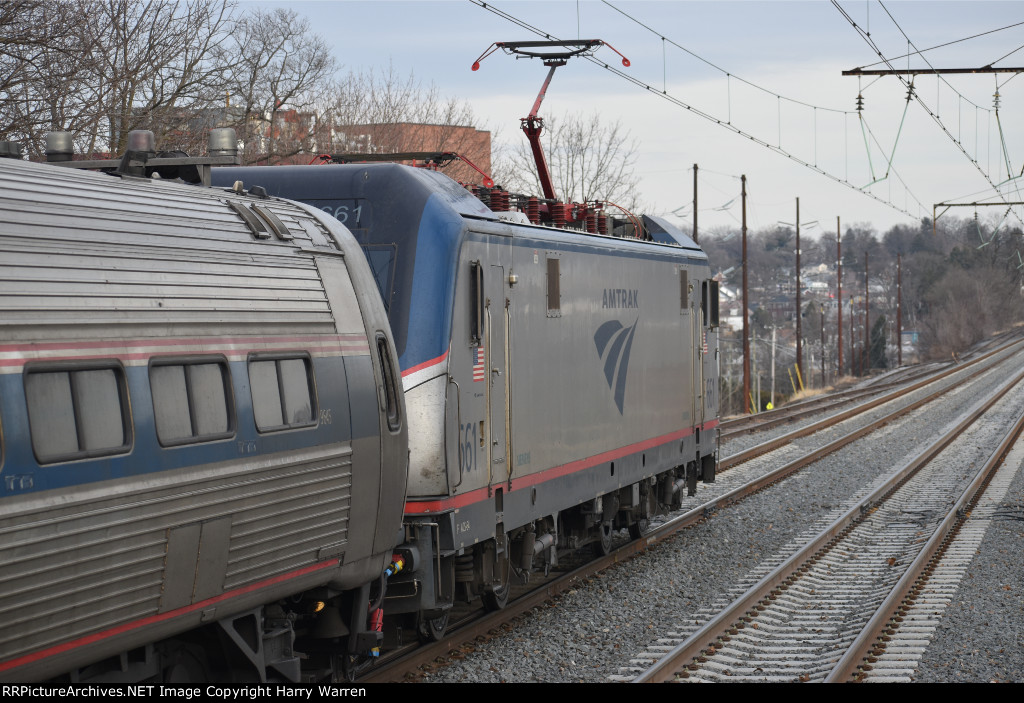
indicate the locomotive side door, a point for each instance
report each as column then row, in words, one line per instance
column 687, row 350
column 496, row 326
column 700, row 344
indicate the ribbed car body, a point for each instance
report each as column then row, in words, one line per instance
column 199, row 424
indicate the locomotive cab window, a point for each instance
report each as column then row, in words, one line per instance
column 709, row 303
column 382, row 258
column 78, row 412
column 283, row 392
column 476, row 302
column 713, row 302
column 191, row 401
column 684, row 290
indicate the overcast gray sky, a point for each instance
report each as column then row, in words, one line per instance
column 793, row 49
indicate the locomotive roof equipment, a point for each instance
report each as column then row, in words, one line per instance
column 533, row 124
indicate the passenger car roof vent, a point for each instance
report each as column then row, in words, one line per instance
column 256, row 226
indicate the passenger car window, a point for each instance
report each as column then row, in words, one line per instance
column 282, row 393
column 191, row 401
column 76, row 413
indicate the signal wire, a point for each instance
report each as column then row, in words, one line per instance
column 700, row 113
column 719, row 68
column 949, row 43
column 870, row 42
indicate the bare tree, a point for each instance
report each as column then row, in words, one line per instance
column 44, row 61
column 379, row 111
column 277, row 71
column 154, row 71
column 102, row 68
column 588, row 159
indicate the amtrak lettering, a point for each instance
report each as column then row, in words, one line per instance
column 620, row 298
column 617, row 340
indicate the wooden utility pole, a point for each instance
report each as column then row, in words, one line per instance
column 839, row 286
column 867, row 331
column 854, row 356
column 746, row 305
column 695, row 202
column 899, row 310
column 821, row 309
column 799, row 344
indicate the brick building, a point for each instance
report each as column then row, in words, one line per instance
column 474, row 144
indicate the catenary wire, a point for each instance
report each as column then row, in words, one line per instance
column 700, row 113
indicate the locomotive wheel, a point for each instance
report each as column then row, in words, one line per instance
column 186, row 664
column 496, row 597
column 638, row 528
column 604, row 543
column 432, row 629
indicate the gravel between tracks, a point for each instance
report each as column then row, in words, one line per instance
column 981, row 634
column 593, row 630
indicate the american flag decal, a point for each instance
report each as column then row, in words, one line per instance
column 478, row 363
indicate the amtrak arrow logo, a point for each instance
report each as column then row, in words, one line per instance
column 617, row 340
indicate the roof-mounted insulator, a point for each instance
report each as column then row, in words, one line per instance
column 223, row 142
column 10, row 150
column 59, row 146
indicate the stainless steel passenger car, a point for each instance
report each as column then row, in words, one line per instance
column 560, row 385
column 204, row 444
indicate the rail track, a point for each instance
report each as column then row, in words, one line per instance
column 817, row 405
column 829, row 611
column 743, row 478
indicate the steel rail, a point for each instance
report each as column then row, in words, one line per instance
column 482, row 624
column 782, row 440
column 749, row 424
column 746, row 607
column 753, row 424
column 883, row 621
column 766, row 419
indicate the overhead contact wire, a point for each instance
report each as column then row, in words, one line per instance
column 716, row 67
column 867, row 38
column 700, row 113
column 950, row 43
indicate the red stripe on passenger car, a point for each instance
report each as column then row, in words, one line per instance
column 46, row 346
column 415, row 507
column 169, row 615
